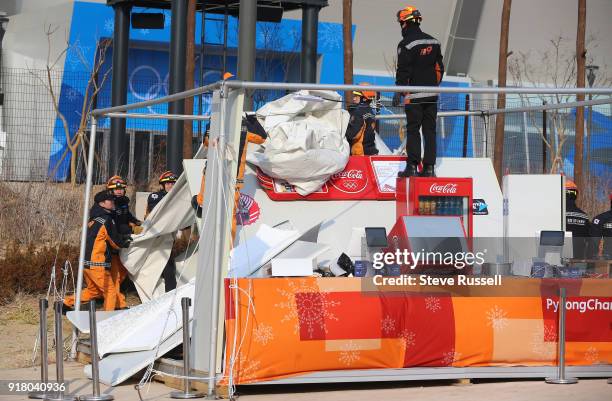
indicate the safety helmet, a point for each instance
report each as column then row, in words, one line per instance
column 365, row 94
column 409, row 13
column 571, row 188
column 167, row 176
column 228, row 75
column 116, row 182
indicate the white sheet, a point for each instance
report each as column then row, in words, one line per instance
column 259, row 249
column 143, row 326
column 306, row 142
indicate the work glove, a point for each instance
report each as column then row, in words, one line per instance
column 127, row 241
column 137, row 229
column 397, row 98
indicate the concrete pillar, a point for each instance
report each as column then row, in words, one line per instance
column 310, row 23
column 178, row 60
column 119, row 155
column 246, row 45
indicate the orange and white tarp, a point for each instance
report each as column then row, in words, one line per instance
column 281, row 327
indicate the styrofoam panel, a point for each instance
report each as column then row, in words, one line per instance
column 142, row 327
column 533, row 202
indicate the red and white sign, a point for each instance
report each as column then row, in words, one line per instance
column 349, row 181
column 448, row 188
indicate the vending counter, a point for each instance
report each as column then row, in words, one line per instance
column 288, row 328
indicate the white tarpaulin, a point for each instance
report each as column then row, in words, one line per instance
column 306, row 142
column 146, row 257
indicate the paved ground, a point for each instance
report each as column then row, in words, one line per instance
column 534, row 390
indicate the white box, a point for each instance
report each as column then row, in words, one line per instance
column 293, row 267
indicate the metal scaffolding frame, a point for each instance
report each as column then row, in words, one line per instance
column 223, row 89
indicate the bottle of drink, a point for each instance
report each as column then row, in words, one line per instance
column 433, row 206
column 421, row 205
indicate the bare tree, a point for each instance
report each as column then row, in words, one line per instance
column 580, row 65
column 279, row 51
column 557, row 67
column 498, row 155
column 347, row 36
column 78, row 139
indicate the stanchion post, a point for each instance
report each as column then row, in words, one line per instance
column 561, row 379
column 43, row 305
column 95, row 373
column 186, row 393
column 59, row 358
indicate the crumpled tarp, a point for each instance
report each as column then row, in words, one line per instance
column 146, row 258
column 306, row 142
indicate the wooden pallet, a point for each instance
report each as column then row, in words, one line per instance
column 175, row 367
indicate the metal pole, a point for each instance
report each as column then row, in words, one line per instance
column 201, row 66
column 218, row 252
column 246, row 45
column 526, row 137
column 561, row 379
column 544, row 140
column 95, row 373
column 465, row 125
column 310, row 22
column 413, row 89
column 178, row 59
column 59, row 358
column 44, row 360
column 88, row 185
column 186, row 393
column 121, row 38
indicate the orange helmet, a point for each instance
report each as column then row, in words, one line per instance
column 571, row 188
column 116, row 182
column 409, row 13
column 365, row 94
column 167, row 176
column 228, row 75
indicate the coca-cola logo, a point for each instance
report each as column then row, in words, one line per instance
column 349, row 181
column 443, row 188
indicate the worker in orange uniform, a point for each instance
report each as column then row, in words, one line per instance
column 419, row 63
column 102, row 238
column 126, row 225
column 254, row 133
column 361, row 130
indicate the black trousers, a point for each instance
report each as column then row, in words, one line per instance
column 421, row 115
column 169, row 275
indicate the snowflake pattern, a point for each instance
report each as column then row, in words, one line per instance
column 72, row 94
column 388, row 325
column 497, row 318
column 432, row 304
column 408, row 338
column 144, row 32
column 550, row 332
column 75, row 54
column 263, row 334
column 331, row 36
column 591, row 354
column 314, row 305
column 349, row 354
column 451, row 357
column 109, row 25
column 541, row 347
column 246, row 369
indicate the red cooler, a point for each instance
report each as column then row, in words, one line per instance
column 435, row 196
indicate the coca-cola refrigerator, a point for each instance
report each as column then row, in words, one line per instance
column 436, row 196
